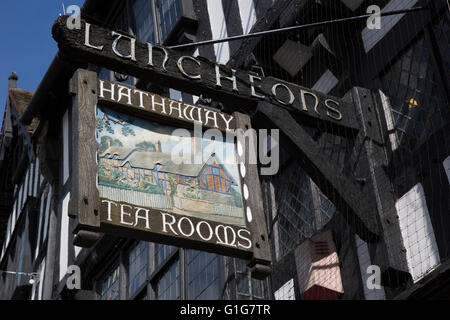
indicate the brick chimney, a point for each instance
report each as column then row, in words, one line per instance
column 13, row 78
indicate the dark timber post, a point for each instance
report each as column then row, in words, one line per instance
column 84, row 193
column 261, row 259
column 369, row 161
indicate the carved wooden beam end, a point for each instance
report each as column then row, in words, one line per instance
column 86, row 239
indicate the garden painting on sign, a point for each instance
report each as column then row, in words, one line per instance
column 152, row 165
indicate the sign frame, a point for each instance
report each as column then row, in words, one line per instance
column 88, row 210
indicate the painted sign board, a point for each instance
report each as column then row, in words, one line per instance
column 164, row 171
column 144, row 185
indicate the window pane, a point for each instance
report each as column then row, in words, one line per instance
column 104, row 74
column 243, row 287
column 296, row 219
column 169, row 13
column 242, row 283
column 203, row 275
column 143, row 15
column 138, row 267
column 110, row 286
column 163, row 252
column 168, row 285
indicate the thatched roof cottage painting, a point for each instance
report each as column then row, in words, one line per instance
column 136, row 166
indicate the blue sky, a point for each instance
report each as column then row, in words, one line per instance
column 27, row 46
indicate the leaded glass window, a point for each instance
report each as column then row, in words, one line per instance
column 169, row 13
column 110, row 286
column 203, row 275
column 168, row 285
column 240, row 285
column 143, row 14
column 417, row 101
column 138, row 267
column 295, row 213
column 163, row 252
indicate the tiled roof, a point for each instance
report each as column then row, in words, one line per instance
column 121, row 152
column 20, row 99
column 148, row 160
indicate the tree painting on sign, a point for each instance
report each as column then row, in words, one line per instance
column 139, row 163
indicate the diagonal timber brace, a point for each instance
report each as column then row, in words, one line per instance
column 349, row 198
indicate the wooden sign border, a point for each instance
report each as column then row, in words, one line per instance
column 85, row 206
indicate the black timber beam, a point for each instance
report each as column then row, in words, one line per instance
column 350, row 200
column 368, row 161
column 311, row 106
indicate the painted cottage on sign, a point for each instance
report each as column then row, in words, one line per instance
column 192, row 187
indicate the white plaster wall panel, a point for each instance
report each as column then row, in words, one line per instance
column 326, row 82
column 446, row 165
column 40, row 224
column 36, row 291
column 8, row 232
column 36, row 179
column 286, row 292
column 417, row 233
column 47, row 213
column 30, row 180
column 364, row 263
column 389, row 120
column 175, row 95
column 25, row 188
column 41, row 179
column 13, row 218
column 248, row 15
column 77, row 251
column 218, row 30
column 371, row 37
column 196, row 54
column 20, row 200
column 26, row 185
column 65, row 147
column 64, row 238
column 41, row 279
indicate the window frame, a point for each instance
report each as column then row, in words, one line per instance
column 176, row 256
column 159, row 20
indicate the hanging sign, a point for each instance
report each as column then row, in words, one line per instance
column 164, row 171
